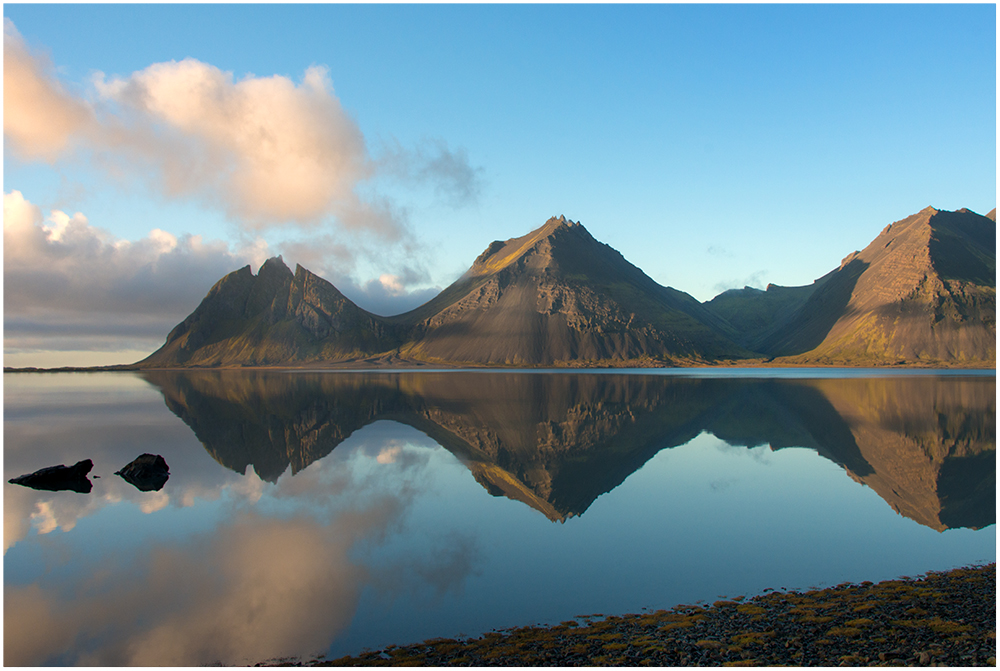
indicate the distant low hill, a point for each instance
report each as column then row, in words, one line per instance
column 923, row 292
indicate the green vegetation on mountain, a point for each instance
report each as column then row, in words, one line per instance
column 758, row 315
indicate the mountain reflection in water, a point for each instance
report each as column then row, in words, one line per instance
column 556, row 442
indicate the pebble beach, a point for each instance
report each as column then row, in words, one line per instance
column 939, row 619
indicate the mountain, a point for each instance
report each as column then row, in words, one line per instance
column 758, row 315
column 924, row 291
column 273, row 317
column 555, row 296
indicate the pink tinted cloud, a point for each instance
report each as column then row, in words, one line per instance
column 267, row 150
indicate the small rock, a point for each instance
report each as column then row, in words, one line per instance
column 924, row 658
column 147, row 473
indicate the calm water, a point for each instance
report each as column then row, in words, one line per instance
column 311, row 513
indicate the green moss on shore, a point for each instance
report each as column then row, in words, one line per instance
column 940, row 619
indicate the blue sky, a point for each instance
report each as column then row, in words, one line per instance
column 714, row 146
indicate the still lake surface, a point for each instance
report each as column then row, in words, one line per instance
column 328, row 512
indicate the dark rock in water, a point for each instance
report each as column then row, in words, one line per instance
column 147, row 473
column 59, row 478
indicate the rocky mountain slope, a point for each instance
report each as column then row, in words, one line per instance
column 273, row 317
column 924, row 291
column 556, row 296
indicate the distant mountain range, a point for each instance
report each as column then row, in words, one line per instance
column 922, row 293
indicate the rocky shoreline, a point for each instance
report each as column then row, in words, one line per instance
column 940, row 619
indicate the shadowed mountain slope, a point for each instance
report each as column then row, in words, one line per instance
column 271, row 318
column 924, row 291
column 556, row 296
column 758, row 315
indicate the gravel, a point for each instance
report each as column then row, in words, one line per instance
column 940, row 619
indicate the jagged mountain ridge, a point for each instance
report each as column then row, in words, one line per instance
column 924, row 291
column 273, row 317
column 556, row 296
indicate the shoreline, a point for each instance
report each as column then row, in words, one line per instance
column 943, row 618
column 414, row 365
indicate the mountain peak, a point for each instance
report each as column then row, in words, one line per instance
column 501, row 254
column 561, row 222
column 922, row 291
column 274, row 267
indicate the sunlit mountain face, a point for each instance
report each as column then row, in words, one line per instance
column 923, row 292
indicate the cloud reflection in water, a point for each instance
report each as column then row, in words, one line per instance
column 280, row 573
column 296, row 502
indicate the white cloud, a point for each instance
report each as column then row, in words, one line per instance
column 294, row 577
column 70, row 286
column 154, row 501
column 45, row 521
column 300, row 574
column 754, row 280
column 25, row 508
column 41, row 120
column 387, row 295
column 60, row 222
column 392, row 284
column 433, row 162
column 267, row 150
column 390, row 453
column 66, row 280
column 275, row 150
